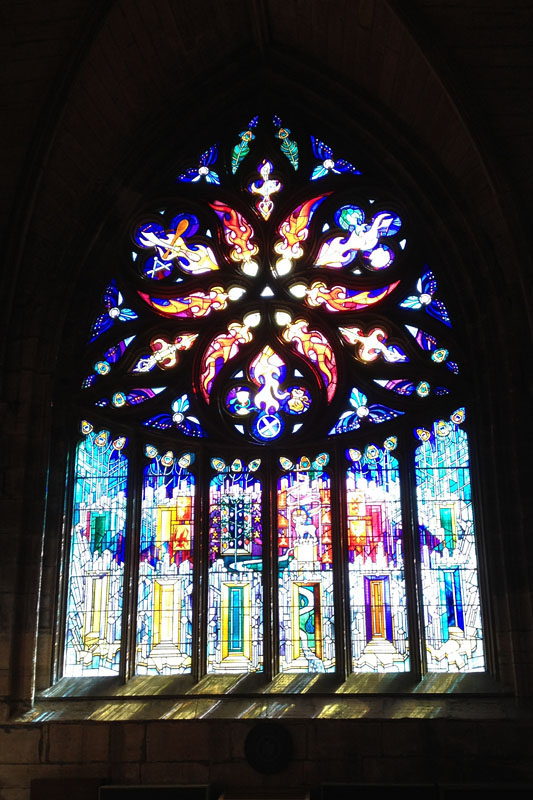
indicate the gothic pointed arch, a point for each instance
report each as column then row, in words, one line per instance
column 272, row 469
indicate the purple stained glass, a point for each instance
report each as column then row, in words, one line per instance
column 452, row 613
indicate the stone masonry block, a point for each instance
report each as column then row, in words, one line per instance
column 19, row 745
column 127, row 742
column 173, row 741
column 188, row 773
column 81, row 743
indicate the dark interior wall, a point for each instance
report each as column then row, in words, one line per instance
column 99, row 97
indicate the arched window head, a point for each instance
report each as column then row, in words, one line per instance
column 273, row 471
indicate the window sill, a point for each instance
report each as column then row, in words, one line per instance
column 471, row 696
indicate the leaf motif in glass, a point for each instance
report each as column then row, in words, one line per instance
column 351, row 420
column 288, row 146
column 242, row 148
column 180, row 419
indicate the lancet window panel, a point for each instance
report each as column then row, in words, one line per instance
column 273, row 473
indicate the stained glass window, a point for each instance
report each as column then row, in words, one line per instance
column 235, row 604
column 164, row 610
column 272, row 474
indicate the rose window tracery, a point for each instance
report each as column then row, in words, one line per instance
column 263, row 308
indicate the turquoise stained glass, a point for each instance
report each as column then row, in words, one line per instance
column 96, row 573
column 452, row 613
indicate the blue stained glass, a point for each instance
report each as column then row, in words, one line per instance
column 202, row 171
column 329, row 164
column 351, row 420
column 452, row 613
column 426, row 288
column 96, row 566
column 115, row 312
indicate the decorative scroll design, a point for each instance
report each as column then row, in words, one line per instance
column 341, row 298
column 238, row 234
column 293, row 231
column 222, row 349
column 316, row 350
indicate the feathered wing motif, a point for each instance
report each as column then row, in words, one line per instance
column 115, row 312
column 351, row 420
column 180, row 419
column 426, row 287
column 202, row 171
column 327, row 162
